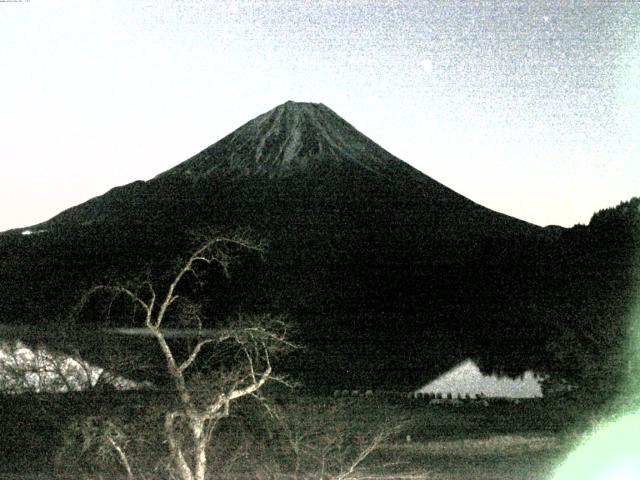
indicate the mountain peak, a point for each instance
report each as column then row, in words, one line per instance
column 292, row 137
column 293, row 105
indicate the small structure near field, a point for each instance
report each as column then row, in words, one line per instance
column 466, row 381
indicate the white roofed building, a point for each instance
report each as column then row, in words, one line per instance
column 466, row 380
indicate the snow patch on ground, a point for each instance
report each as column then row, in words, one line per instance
column 24, row 369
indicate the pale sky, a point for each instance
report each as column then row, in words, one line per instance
column 529, row 108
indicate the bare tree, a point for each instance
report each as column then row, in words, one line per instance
column 241, row 351
column 325, row 444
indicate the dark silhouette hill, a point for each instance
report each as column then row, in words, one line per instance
column 390, row 276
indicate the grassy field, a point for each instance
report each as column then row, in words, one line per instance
column 501, row 441
column 422, row 441
column 495, row 457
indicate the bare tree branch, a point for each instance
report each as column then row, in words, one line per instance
column 194, row 354
column 374, row 445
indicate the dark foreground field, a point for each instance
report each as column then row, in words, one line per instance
column 314, row 437
column 471, row 441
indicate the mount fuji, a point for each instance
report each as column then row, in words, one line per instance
column 390, row 276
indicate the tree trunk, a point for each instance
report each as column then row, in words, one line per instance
column 183, row 470
column 200, row 453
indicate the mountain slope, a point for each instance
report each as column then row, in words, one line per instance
column 302, row 140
